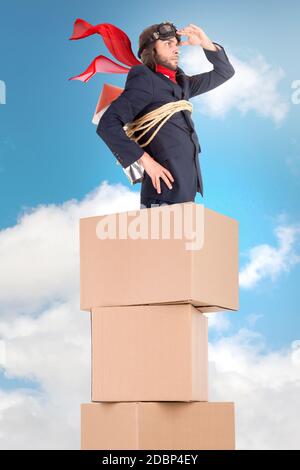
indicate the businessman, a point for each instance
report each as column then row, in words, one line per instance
column 171, row 164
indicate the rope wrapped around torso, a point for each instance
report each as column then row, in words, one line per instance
column 149, row 120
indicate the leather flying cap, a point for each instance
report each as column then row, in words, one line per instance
column 164, row 31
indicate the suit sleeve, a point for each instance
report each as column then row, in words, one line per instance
column 222, row 71
column 137, row 94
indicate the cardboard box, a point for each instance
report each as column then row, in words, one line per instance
column 155, row 426
column 149, row 353
column 139, row 269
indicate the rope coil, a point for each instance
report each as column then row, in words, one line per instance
column 149, row 120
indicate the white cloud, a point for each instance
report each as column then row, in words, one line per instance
column 265, row 387
column 218, row 321
column 269, row 262
column 40, row 255
column 28, row 420
column 47, row 340
column 53, row 351
column 254, row 87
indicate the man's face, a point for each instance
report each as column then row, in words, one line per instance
column 167, row 52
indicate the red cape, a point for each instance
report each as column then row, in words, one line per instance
column 117, row 42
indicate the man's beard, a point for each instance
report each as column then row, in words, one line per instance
column 171, row 64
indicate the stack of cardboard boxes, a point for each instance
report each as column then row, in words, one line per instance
column 147, row 278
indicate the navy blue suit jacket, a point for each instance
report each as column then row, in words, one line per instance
column 175, row 146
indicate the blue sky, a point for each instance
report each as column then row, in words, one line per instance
column 50, row 152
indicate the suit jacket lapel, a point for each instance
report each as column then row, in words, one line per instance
column 179, row 89
column 183, row 83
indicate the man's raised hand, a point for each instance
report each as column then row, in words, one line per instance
column 196, row 36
